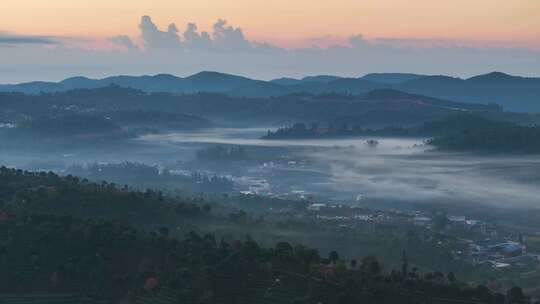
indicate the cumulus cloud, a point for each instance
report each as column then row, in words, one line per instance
column 225, row 48
column 154, row 38
column 195, row 40
column 228, row 37
column 223, row 38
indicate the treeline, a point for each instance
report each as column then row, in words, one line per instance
column 45, row 192
column 69, row 235
column 81, row 130
column 464, row 132
column 110, row 261
column 314, row 130
column 157, row 119
column 66, row 126
column 129, row 106
column 481, row 135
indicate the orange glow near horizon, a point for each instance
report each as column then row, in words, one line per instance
column 285, row 21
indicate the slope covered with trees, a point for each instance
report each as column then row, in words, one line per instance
column 70, row 239
column 463, row 132
column 481, row 135
column 129, row 107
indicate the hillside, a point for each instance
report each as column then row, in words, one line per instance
column 91, row 129
column 127, row 107
column 459, row 132
column 49, row 193
column 64, row 239
column 158, row 119
column 473, row 134
column 201, row 82
column 512, row 92
column 390, row 78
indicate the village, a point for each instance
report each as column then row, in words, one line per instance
column 474, row 241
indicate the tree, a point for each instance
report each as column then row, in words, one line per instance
column 483, row 293
column 515, row 295
column 207, row 208
column 251, row 249
column 284, row 249
column 164, row 231
column 333, row 256
column 451, row 277
column 404, row 264
column 440, row 221
column 371, row 266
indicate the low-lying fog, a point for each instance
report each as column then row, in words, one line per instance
column 344, row 170
column 397, row 169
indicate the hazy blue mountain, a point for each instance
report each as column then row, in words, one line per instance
column 34, row 87
column 390, row 78
column 203, row 81
column 200, row 82
column 312, row 85
column 321, row 78
column 421, row 100
column 216, row 82
column 512, row 92
column 77, row 82
column 351, row 86
column 161, row 82
column 262, row 89
column 286, row 81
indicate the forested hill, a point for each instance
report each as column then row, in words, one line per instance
column 512, row 92
column 61, row 241
column 474, row 134
column 67, row 126
column 164, row 110
column 42, row 192
column 460, row 132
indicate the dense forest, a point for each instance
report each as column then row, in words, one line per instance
column 129, row 107
column 65, row 237
column 90, row 128
column 464, row 132
column 47, row 192
column 488, row 136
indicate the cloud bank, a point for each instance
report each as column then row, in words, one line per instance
column 419, row 177
column 14, row 39
column 225, row 48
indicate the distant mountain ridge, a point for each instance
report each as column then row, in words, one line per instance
column 391, row 78
column 514, row 93
column 200, row 82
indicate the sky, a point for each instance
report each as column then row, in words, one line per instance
column 53, row 39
